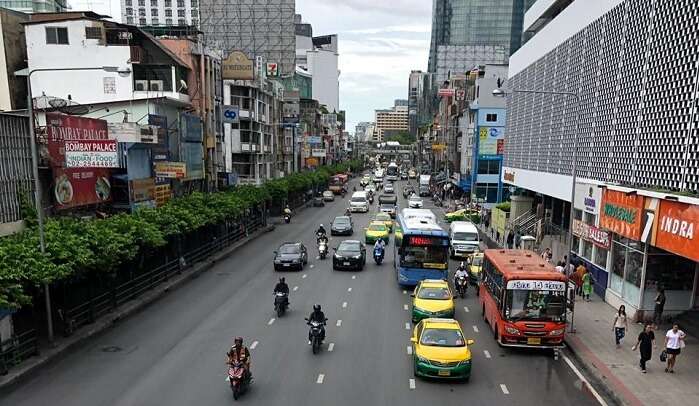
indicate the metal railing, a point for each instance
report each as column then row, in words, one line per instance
column 17, row 349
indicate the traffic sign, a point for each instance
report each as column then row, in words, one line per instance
column 231, row 114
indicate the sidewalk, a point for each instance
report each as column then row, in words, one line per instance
column 593, row 344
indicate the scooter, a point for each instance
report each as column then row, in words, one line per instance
column 371, row 199
column 322, row 249
column 378, row 255
column 461, row 285
column 238, row 379
column 287, row 218
column 316, row 334
column 281, row 302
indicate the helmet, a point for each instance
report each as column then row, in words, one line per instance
column 239, row 341
column 316, row 307
column 321, row 225
column 462, row 264
column 282, row 280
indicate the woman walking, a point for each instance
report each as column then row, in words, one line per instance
column 620, row 325
column 587, row 285
column 674, row 341
column 646, row 343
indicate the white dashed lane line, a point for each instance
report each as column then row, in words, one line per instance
column 405, row 292
column 253, row 345
column 344, row 305
column 269, row 323
column 466, row 309
column 407, row 326
column 303, row 276
column 487, row 354
column 475, row 329
column 349, row 289
column 296, row 288
column 405, row 307
column 321, row 378
column 339, row 323
column 411, row 382
column 504, row 389
column 354, row 276
column 312, row 266
column 331, row 347
column 409, row 349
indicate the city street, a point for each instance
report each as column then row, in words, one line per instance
column 173, row 353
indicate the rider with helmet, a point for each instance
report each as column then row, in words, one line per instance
column 240, row 353
column 318, row 316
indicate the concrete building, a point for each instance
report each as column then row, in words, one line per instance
column 628, row 130
column 260, row 28
column 36, row 6
column 390, row 122
column 13, row 57
column 318, row 56
column 363, row 131
column 160, row 12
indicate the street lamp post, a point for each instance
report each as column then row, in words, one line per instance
column 35, row 171
column 574, row 174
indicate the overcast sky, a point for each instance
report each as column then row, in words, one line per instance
column 380, row 42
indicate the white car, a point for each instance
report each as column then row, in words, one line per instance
column 415, row 202
column 328, row 196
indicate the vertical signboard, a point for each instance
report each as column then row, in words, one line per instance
column 621, row 213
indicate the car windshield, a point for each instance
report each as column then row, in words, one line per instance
column 414, row 199
column 388, row 206
column 347, row 247
column 418, row 256
column 383, row 217
column 377, row 227
column 358, row 199
column 465, row 236
column 541, row 305
column 433, row 293
column 442, row 337
column 342, row 221
column 477, row 261
column 289, row 249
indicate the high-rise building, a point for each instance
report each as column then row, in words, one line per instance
column 363, row 130
column 420, row 98
column 259, row 28
column 468, row 33
column 391, row 121
column 160, row 12
column 36, row 6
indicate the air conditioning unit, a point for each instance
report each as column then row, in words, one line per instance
column 156, row 85
column 141, row 85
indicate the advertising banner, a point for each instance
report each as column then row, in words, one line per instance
column 621, row 213
column 133, row 132
column 142, row 189
column 75, row 187
column 237, row 67
column 170, row 170
column 314, row 139
column 592, row 234
column 161, row 152
column 318, row 152
column 163, row 193
column 91, row 154
column 61, row 128
column 678, row 224
column 587, row 197
column 491, row 141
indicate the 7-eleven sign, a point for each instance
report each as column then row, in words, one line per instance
column 272, row 69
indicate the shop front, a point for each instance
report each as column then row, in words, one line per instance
column 652, row 247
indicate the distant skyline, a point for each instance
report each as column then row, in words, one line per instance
column 380, row 42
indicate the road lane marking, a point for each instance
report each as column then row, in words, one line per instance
column 407, row 326
column 466, row 309
column 583, row 380
column 312, row 266
column 331, row 347
column 405, row 307
column 504, row 389
column 349, row 289
column 269, row 323
column 344, row 305
column 475, row 329
column 487, row 354
column 412, row 383
column 409, row 349
column 320, row 379
column 354, row 276
column 253, row 345
column 296, row 288
column 303, row 276
column 405, row 292
column 318, row 257
column 339, row 323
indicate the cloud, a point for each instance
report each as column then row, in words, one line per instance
column 392, row 29
column 394, row 7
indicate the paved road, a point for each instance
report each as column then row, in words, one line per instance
column 172, row 353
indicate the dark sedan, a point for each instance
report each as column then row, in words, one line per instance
column 351, row 254
column 342, row 225
column 290, row 255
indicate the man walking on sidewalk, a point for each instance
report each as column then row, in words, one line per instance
column 646, row 343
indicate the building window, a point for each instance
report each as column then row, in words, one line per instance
column 181, row 21
column 57, row 35
column 93, row 32
column 601, row 257
column 168, row 3
column 180, row 3
column 180, row 13
column 127, row 3
column 142, row 21
column 154, row 12
column 488, row 167
column 142, row 12
column 168, row 21
column 154, row 3
column 195, row 22
column 129, row 20
column 141, row 3
column 129, row 11
column 487, row 192
column 195, row 3
column 154, row 21
column 195, row 13
column 168, row 13
column 491, row 118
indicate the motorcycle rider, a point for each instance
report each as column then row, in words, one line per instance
column 320, row 232
column 380, row 244
column 240, row 353
column 282, row 287
column 461, row 272
column 318, row 316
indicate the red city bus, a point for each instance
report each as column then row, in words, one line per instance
column 337, row 182
column 523, row 299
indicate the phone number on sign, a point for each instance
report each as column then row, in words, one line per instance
column 91, row 160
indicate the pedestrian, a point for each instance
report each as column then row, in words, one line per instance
column 547, row 255
column 510, row 239
column 646, row 343
column 518, row 239
column 659, row 306
column 620, row 325
column 674, row 342
column 586, row 285
column 560, row 266
column 579, row 272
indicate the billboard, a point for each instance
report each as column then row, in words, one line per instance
column 677, row 224
column 621, row 213
column 61, row 128
column 91, row 154
column 318, row 152
column 237, row 67
column 491, row 141
column 170, row 170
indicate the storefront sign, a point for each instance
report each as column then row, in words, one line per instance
column 237, row 67
column 319, row 153
column 91, row 154
column 133, row 132
column 445, row 92
column 142, row 189
column 162, row 194
column 678, row 229
column 491, row 141
column 587, row 197
column 61, row 128
column 170, row 170
column 75, row 187
column 621, row 213
column 592, row 234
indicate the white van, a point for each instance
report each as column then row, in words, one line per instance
column 464, row 239
column 359, row 202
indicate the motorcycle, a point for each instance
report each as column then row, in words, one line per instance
column 461, row 285
column 378, row 255
column 322, row 249
column 287, row 218
column 281, row 303
column 316, row 334
column 238, row 379
column 371, row 199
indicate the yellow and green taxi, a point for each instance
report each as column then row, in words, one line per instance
column 475, row 263
column 386, row 219
column 432, row 298
column 440, row 350
column 377, row 230
column 459, row 215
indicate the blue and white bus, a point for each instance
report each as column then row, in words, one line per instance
column 422, row 250
column 392, row 172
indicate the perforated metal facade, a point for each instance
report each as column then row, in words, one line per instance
column 636, row 71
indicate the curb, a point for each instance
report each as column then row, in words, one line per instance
column 104, row 323
column 602, row 376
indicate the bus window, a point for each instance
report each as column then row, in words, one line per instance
column 423, row 256
column 535, row 305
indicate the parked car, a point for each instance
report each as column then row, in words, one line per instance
column 350, row 254
column 328, row 196
column 290, row 255
column 342, row 225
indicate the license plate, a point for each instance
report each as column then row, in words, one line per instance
column 443, row 372
column 287, row 264
column 533, row 341
column 345, row 263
